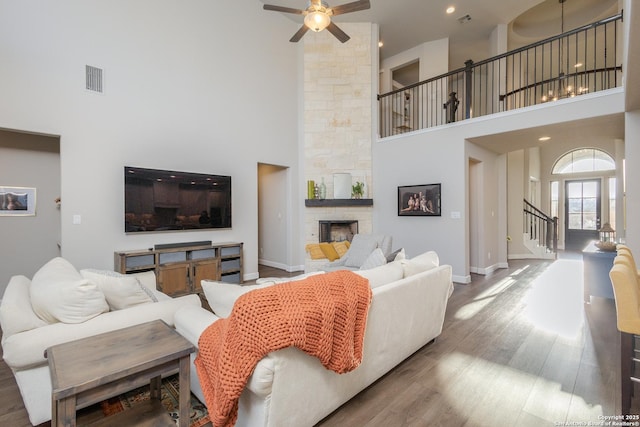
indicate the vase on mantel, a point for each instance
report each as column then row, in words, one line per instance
column 341, row 185
column 323, row 190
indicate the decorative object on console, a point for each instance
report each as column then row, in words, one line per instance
column 17, row 201
column 607, row 240
column 419, row 200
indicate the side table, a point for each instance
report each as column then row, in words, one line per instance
column 90, row 370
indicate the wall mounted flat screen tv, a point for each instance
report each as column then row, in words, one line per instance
column 162, row 200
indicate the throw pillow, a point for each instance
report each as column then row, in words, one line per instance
column 16, row 314
column 341, row 247
column 120, row 290
column 329, row 251
column 384, row 274
column 361, row 247
column 60, row 294
column 396, row 255
column 314, row 251
column 375, row 259
column 221, row 296
column 420, row 263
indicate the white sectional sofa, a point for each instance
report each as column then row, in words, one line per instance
column 290, row 388
column 26, row 335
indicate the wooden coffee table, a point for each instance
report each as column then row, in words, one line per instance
column 93, row 369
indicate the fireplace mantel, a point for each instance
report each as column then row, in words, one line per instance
column 327, row 203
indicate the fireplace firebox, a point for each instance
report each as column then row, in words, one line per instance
column 337, row 230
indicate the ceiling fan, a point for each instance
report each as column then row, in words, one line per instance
column 318, row 15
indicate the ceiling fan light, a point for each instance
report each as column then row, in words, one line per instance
column 317, row 21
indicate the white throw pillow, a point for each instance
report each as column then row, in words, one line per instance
column 60, row 294
column 221, row 296
column 375, row 259
column 420, row 263
column 384, row 274
column 16, row 313
column 120, row 290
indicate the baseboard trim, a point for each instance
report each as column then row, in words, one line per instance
column 287, row 268
column 461, row 279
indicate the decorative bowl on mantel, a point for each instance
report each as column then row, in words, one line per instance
column 606, row 246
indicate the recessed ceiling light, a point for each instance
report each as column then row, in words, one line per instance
column 380, row 43
column 450, row 10
column 544, row 138
column 578, row 65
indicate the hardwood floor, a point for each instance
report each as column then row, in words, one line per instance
column 518, row 348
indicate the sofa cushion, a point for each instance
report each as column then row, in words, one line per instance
column 60, row 294
column 375, row 259
column 120, row 290
column 420, row 263
column 221, row 295
column 361, row 247
column 16, row 314
column 384, row 274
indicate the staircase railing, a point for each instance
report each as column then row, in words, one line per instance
column 540, row 227
column 580, row 61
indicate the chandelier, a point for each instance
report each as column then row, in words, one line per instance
column 560, row 87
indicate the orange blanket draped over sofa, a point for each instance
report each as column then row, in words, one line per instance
column 323, row 315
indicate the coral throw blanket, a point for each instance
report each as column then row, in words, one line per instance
column 323, row 315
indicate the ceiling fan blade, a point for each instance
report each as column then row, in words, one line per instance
column 283, row 9
column 337, row 32
column 351, row 7
column 298, row 35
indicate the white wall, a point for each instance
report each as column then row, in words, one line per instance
column 202, row 86
column 433, row 57
column 438, row 155
column 29, row 241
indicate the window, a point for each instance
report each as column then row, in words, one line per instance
column 584, row 160
column 582, row 205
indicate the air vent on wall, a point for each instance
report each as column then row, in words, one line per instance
column 94, row 79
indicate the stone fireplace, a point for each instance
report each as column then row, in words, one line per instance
column 337, row 230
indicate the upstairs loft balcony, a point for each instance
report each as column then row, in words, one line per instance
column 584, row 60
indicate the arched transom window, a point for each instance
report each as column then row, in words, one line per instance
column 584, row 160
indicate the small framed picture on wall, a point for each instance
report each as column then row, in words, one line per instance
column 419, row 200
column 17, row 201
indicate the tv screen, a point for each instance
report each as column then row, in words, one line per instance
column 162, row 200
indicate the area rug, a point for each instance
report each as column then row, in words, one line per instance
column 170, row 396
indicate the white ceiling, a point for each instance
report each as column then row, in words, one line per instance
column 404, row 24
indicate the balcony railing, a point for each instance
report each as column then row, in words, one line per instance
column 584, row 60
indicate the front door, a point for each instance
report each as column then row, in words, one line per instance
column 582, row 218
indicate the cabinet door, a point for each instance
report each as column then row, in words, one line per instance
column 173, row 279
column 204, row 270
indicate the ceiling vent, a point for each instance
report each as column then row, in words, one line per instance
column 94, row 79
